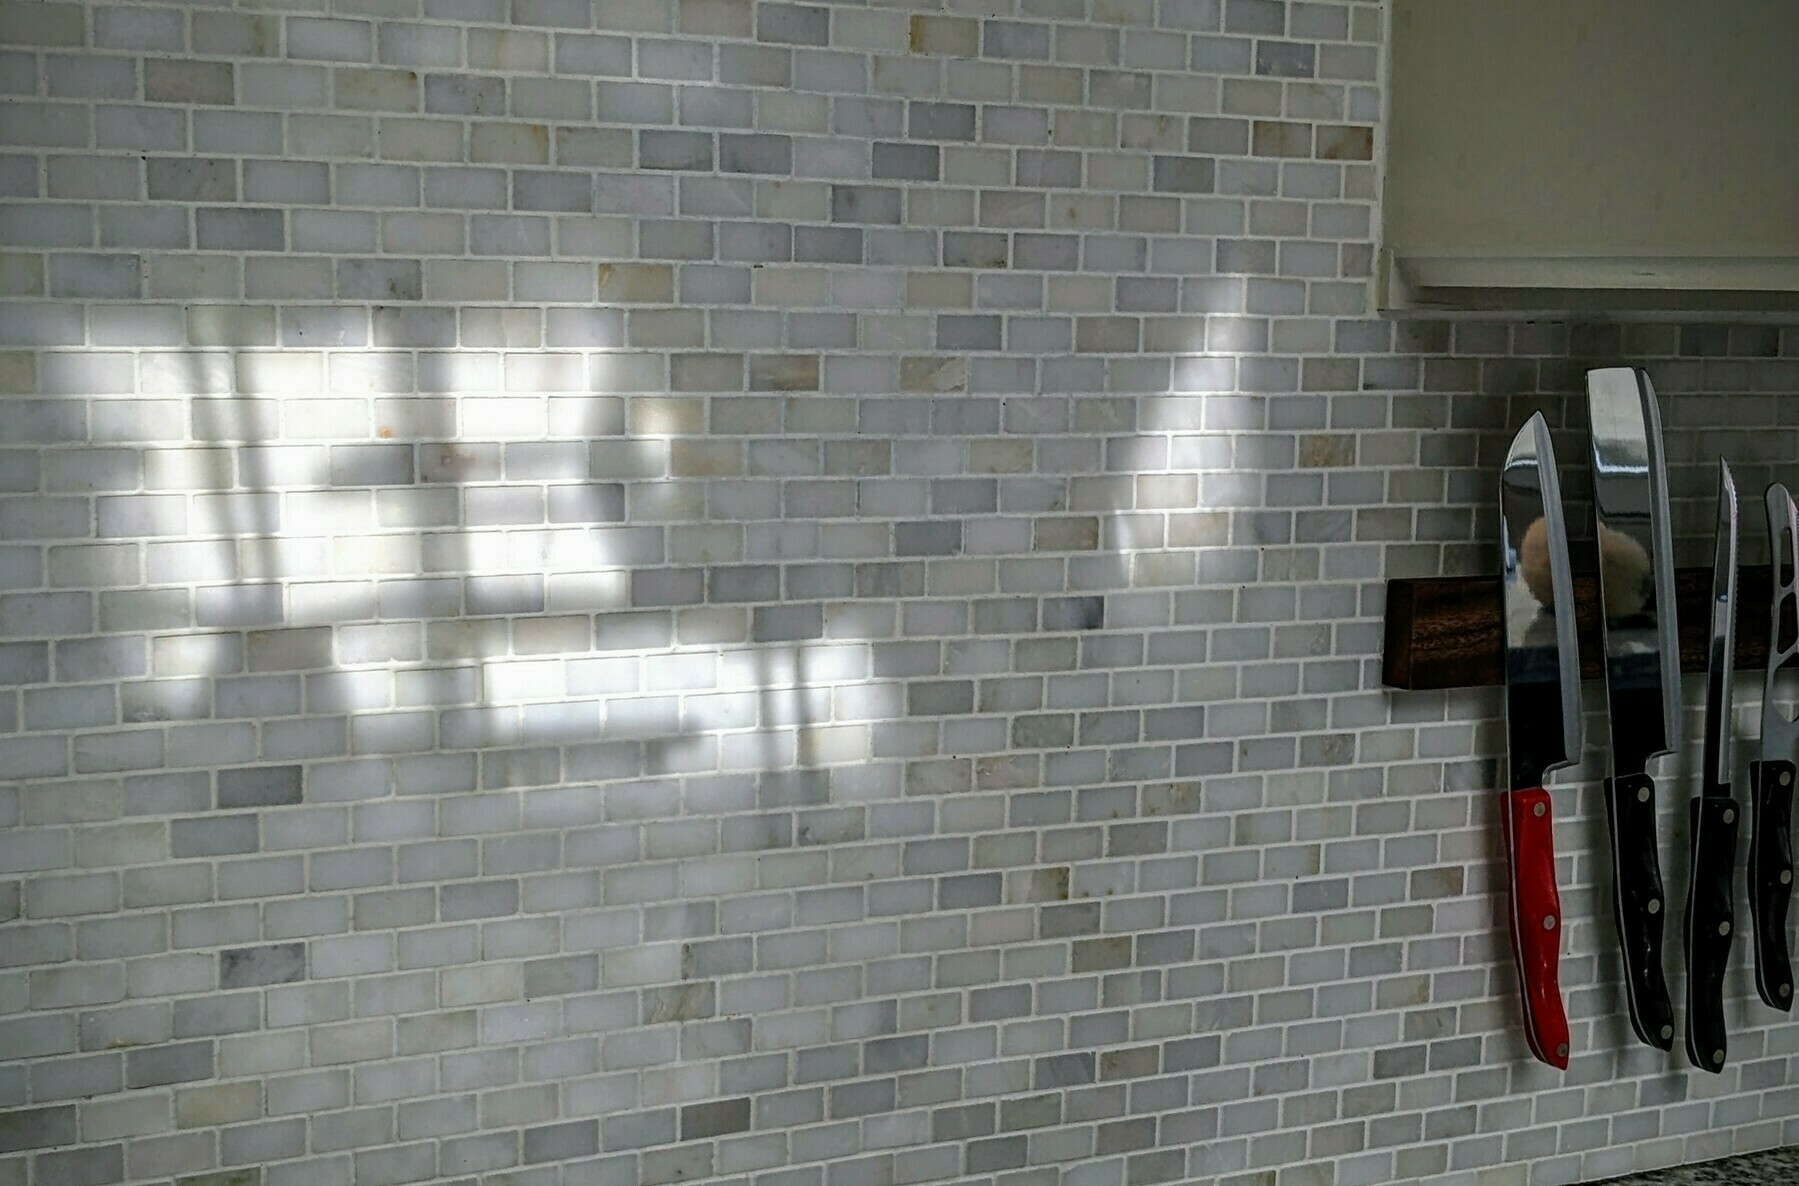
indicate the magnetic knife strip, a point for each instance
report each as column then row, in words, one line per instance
column 1536, row 621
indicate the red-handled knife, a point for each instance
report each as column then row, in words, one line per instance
column 1542, row 709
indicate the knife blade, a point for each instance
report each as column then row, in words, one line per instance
column 1710, row 921
column 1771, row 776
column 1542, row 712
column 1642, row 671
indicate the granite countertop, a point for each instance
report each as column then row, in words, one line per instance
column 1773, row 1167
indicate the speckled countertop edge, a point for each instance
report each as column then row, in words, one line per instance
column 1772, row 1167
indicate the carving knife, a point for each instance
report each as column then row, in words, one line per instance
column 1710, row 921
column 1542, row 713
column 1771, row 778
column 1642, row 671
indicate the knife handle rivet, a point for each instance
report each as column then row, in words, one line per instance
column 1717, row 1058
column 1786, row 877
column 1561, row 1050
column 1655, row 906
column 1786, row 776
column 1537, row 809
column 1730, row 817
column 1549, row 922
column 1642, row 794
column 1786, row 990
column 1667, row 1032
column 1723, row 928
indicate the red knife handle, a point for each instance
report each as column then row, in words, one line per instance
column 1536, row 921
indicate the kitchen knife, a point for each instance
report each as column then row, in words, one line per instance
column 1709, row 919
column 1542, row 716
column 1642, row 671
column 1771, row 778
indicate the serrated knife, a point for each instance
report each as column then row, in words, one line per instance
column 1542, row 713
column 1771, row 777
column 1642, row 671
column 1710, row 919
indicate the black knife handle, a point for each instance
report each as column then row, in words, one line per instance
column 1771, row 879
column 1638, row 906
column 1710, row 926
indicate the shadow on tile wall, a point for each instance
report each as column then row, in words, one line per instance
column 777, row 593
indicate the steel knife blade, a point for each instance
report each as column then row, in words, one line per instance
column 1642, row 671
column 1710, row 920
column 1542, row 711
column 1771, row 776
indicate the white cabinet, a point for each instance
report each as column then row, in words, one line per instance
column 1553, row 155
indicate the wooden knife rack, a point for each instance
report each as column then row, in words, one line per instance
column 1445, row 632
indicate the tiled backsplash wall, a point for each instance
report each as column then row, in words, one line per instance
column 645, row 591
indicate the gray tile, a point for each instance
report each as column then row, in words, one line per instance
column 249, row 967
